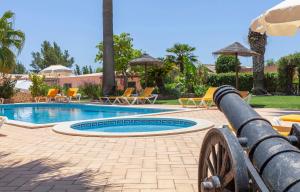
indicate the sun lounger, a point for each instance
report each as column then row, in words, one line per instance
column 145, row 97
column 113, row 99
column 205, row 101
column 73, row 93
column 282, row 130
column 52, row 93
column 286, row 120
column 246, row 95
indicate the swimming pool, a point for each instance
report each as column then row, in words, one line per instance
column 49, row 113
column 137, row 126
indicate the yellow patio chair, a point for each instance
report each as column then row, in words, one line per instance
column 113, row 99
column 282, row 130
column 146, row 96
column 286, row 118
column 246, row 95
column 52, row 94
column 205, row 101
column 73, row 93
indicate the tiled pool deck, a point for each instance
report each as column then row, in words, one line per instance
column 41, row 160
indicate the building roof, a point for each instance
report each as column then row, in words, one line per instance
column 268, row 69
column 211, row 67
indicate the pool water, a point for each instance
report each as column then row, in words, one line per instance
column 44, row 113
column 132, row 125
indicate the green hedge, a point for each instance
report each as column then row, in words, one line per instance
column 245, row 81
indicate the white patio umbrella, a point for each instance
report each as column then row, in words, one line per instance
column 56, row 70
column 23, row 85
column 281, row 20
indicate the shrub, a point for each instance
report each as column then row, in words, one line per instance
column 245, row 80
column 92, row 91
column 200, row 90
column 38, row 87
column 226, row 64
column 7, row 87
column 271, row 82
column 172, row 89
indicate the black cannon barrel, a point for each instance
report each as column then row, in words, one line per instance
column 276, row 160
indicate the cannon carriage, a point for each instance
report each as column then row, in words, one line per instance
column 248, row 155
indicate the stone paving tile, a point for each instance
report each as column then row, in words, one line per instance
column 41, row 160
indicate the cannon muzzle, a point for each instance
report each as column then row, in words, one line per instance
column 275, row 159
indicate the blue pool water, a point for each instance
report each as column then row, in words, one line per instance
column 43, row 113
column 132, row 125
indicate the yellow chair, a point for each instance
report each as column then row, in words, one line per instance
column 52, row 94
column 205, row 101
column 246, row 95
column 146, row 96
column 73, row 93
column 113, row 99
column 290, row 118
column 282, row 130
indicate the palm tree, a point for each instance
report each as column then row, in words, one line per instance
column 108, row 52
column 181, row 52
column 258, row 44
column 11, row 42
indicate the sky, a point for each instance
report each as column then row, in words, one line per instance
column 155, row 25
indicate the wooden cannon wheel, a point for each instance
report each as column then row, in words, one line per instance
column 222, row 164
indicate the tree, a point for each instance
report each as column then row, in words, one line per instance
column 181, row 53
column 109, row 84
column 226, row 64
column 11, row 42
column 258, row 44
column 19, row 69
column 85, row 70
column 123, row 53
column 38, row 87
column 287, row 66
column 50, row 55
column 99, row 70
column 77, row 70
column 90, row 69
column 270, row 62
column 157, row 74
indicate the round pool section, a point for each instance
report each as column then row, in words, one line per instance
column 126, row 127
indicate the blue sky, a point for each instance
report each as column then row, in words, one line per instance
column 155, row 25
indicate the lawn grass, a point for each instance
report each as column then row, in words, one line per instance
column 286, row 102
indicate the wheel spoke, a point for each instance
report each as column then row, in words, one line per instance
column 214, row 158
column 224, row 164
column 219, row 158
column 227, row 178
column 210, row 166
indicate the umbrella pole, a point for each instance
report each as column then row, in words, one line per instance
column 236, row 72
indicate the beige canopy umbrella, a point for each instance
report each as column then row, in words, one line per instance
column 236, row 49
column 146, row 60
column 56, row 71
column 281, row 20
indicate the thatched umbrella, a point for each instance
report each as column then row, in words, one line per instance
column 146, row 60
column 236, row 49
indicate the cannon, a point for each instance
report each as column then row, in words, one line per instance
column 252, row 157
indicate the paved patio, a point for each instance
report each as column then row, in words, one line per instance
column 41, row 160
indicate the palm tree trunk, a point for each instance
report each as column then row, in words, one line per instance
column 108, row 52
column 258, row 43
